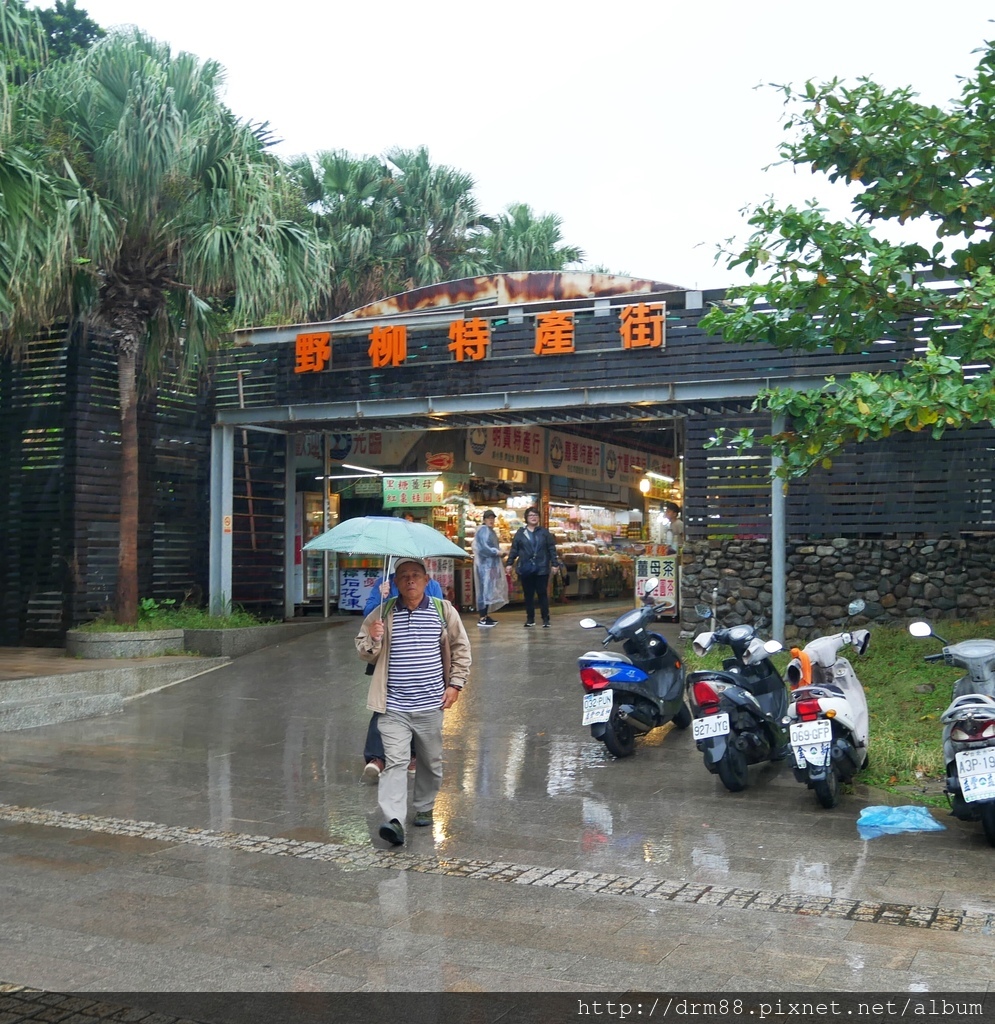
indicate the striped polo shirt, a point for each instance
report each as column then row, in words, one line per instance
column 414, row 669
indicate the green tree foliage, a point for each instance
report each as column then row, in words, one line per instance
column 821, row 283
column 400, row 222
column 521, row 240
column 68, row 28
column 144, row 207
column 394, row 223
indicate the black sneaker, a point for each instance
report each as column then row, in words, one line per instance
column 545, row 625
column 529, row 625
column 393, row 832
column 490, row 622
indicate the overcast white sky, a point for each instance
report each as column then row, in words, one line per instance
column 637, row 123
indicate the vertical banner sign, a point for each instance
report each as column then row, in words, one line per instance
column 355, row 587
column 664, row 568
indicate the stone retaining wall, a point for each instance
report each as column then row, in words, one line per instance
column 900, row 580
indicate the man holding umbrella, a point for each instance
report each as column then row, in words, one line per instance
column 421, row 661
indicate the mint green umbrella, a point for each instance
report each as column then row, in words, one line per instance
column 385, row 535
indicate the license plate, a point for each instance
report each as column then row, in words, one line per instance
column 597, row 707
column 976, row 770
column 711, row 725
column 805, row 733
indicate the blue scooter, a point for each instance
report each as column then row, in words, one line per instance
column 627, row 695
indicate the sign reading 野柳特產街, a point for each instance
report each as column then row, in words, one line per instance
column 399, row 491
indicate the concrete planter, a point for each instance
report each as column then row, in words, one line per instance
column 232, row 643
column 149, row 643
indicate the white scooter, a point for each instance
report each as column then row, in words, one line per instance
column 827, row 713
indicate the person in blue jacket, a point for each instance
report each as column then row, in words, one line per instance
column 373, row 752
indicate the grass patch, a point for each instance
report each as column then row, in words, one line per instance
column 167, row 615
column 905, row 698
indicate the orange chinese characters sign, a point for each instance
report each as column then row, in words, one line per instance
column 469, row 338
column 388, row 346
column 642, row 325
column 313, row 352
column 554, row 333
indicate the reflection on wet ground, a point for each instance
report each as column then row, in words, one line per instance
column 261, row 761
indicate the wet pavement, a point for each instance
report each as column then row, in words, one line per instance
column 215, row 836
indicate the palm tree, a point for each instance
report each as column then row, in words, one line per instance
column 521, row 240
column 165, row 221
column 393, row 223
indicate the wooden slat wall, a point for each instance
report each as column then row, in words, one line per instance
column 258, row 524
column 906, row 486
column 34, row 497
column 60, row 436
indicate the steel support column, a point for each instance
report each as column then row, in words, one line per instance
column 778, row 539
column 220, row 560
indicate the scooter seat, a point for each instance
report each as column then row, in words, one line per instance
column 605, row 656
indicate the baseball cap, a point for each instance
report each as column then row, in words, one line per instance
column 404, row 561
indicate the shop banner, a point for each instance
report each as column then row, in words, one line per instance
column 664, row 568
column 401, row 491
column 627, row 466
column 355, row 587
column 372, row 448
column 521, row 448
column 576, row 457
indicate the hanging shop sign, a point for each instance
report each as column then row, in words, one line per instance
column 640, row 325
column 522, row 448
column 371, row 448
column 579, row 458
column 627, row 466
column 400, row 491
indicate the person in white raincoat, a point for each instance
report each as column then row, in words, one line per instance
column 488, row 571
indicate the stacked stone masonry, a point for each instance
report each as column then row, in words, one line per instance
column 900, row 580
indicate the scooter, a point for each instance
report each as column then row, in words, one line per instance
column 628, row 694
column 827, row 717
column 969, row 729
column 740, row 710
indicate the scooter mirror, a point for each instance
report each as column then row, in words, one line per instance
column 701, row 643
column 920, row 629
column 856, row 606
column 649, row 587
column 588, row 624
column 703, row 611
column 773, row 646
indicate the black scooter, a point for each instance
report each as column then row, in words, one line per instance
column 740, row 710
column 626, row 695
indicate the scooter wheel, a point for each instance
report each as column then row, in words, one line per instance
column 988, row 823
column 620, row 737
column 827, row 790
column 683, row 718
column 733, row 770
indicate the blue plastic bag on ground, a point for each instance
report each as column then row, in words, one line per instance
column 881, row 820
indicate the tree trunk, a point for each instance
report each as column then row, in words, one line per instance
column 126, row 598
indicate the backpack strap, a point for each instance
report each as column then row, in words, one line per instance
column 437, row 601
